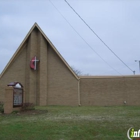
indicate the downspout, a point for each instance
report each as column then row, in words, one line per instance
column 79, row 97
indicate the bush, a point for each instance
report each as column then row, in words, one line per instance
column 28, row 106
column 15, row 112
column 1, row 107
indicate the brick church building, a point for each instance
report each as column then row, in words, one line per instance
column 49, row 80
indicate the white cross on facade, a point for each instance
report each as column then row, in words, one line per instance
column 33, row 63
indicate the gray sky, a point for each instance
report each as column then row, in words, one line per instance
column 117, row 22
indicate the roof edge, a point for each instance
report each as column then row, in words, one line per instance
column 57, row 52
column 112, row 76
column 18, row 49
column 54, row 48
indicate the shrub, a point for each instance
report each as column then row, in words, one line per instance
column 28, row 106
column 15, row 112
column 1, row 107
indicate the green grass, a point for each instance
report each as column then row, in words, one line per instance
column 71, row 123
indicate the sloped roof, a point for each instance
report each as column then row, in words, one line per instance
column 22, row 44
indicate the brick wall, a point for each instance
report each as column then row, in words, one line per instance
column 107, row 91
column 53, row 83
column 62, row 85
column 15, row 72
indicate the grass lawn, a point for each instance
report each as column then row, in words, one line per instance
column 70, row 123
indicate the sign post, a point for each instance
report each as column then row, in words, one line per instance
column 13, row 97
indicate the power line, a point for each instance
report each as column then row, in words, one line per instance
column 84, row 39
column 98, row 36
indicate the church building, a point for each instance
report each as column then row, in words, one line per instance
column 48, row 79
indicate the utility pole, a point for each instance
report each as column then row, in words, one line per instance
column 138, row 62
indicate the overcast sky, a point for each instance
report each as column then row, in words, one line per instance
column 117, row 23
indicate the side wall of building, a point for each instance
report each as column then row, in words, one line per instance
column 62, row 84
column 110, row 91
column 15, row 72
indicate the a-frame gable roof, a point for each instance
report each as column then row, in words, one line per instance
column 53, row 47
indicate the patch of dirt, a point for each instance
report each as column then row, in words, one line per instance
column 32, row 112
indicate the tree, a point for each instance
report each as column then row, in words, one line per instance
column 78, row 72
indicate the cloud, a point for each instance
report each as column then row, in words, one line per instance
column 116, row 22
